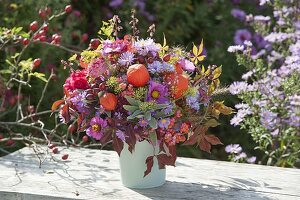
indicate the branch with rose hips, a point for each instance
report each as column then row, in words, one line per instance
column 21, row 123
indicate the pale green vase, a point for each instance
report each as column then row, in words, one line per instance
column 133, row 166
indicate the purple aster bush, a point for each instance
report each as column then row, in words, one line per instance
column 270, row 90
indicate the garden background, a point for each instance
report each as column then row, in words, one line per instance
column 182, row 21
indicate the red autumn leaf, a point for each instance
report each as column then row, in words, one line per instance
column 56, row 104
column 204, row 144
column 130, row 139
column 164, row 159
column 149, row 163
column 79, row 119
column 117, row 144
column 192, row 140
column 65, row 113
column 66, row 92
column 106, row 138
column 212, row 139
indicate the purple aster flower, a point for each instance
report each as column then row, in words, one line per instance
column 259, row 40
column 263, row 2
column 238, row 87
column 187, row 65
column 241, row 114
column 144, row 47
column 260, row 18
column 115, row 3
column 157, row 92
column 275, row 132
column 167, row 67
column 164, row 123
column 193, row 100
column 233, row 49
column 241, row 35
column 143, row 122
column 154, row 67
column 79, row 102
column 233, row 148
column 251, row 160
column 96, row 128
column 96, row 68
column 239, row 14
column 268, row 119
column 121, row 135
column 278, row 37
column 168, row 110
column 126, row 58
column 242, row 155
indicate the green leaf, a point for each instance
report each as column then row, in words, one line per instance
column 72, row 58
column 133, row 115
column 130, row 108
column 132, row 101
column 212, row 123
column 160, row 106
column 153, row 123
column 153, row 137
column 38, row 75
column 148, row 116
column 5, row 71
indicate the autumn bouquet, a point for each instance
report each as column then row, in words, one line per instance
column 128, row 90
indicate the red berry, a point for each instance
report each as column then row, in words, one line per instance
column 42, row 13
column 43, row 38
column 94, row 43
column 150, row 60
column 25, row 41
column 56, row 38
column 42, row 32
column 48, row 10
column 85, row 138
column 45, row 27
column 84, row 37
column 36, row 62
column 55, row 150
column 167, row 58
column 34, row 26
column 68, row 9
column 72, row 128
column 9, row 142
column 51, row 146
column 1, row 136
column 36, row 36
column 65, row 156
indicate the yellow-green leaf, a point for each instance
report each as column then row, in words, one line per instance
column 217, row 72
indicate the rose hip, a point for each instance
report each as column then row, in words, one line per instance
column 65, row 157
column 94, row 43
column 55, row 150
column 34, row 26
column 68, row 9
column 36, row 62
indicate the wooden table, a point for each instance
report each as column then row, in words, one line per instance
column 94, row 174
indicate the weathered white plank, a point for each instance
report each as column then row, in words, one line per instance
column 94, row 174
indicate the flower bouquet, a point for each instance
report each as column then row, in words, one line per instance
column 145, row 98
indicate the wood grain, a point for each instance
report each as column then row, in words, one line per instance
column 94, row 174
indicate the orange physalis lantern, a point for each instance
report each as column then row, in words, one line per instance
column 138, row 75
column 108, row 101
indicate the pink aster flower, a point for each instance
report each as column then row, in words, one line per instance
column 187, row 65
column 96, row 128
column 157, row 92
column 96, row 68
